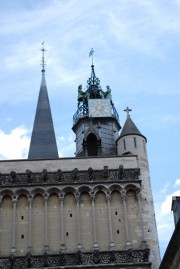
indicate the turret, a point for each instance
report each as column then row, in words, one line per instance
column 96, row 121
column 131, row 141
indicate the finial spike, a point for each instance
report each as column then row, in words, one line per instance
column 91, row 54
column 43, row 60
column 127, row 110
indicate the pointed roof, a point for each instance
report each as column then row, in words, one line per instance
column 130, row 128
column 43, row 141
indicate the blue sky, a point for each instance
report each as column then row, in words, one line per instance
column 137, row 53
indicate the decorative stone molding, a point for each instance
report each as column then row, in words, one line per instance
column 138, row 257
column 74, row 176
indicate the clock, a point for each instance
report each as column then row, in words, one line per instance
column 99, row 107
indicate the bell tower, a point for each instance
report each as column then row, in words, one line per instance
column 96, row 121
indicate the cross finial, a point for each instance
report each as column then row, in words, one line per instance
column 127, row 110
column 43, row 60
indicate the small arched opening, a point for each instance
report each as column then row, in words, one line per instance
column 92, row 145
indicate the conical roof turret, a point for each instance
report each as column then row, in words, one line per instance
column 43, row 142
column 129, row 127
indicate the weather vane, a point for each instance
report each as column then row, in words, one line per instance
column 91, row 54
column 127, row 110
column 43, row 60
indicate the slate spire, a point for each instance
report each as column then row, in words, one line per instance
column 43, row 142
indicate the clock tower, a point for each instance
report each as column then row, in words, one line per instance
column 96, row 121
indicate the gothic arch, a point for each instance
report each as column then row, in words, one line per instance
column 92, row 142
column 7, row 193
column 115, row 187
column 53, row 190
column 99, row 188
column 36, row 191
column 133, row 187
column 84, row 188
column 22, row 192
column 70, row 190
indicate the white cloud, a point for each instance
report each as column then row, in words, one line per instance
column 166, row 205
column 14, row 145
column 177, row 183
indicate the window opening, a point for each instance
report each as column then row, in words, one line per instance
column 92, row 145
column 124, row 143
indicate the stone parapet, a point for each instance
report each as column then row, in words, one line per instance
column 136, row 258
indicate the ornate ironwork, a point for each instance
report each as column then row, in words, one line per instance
column 93, row 91
column 83, row 111
column 74, row 176
column 139, row 256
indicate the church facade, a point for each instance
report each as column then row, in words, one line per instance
column 91, row 211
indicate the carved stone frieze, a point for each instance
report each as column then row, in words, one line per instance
column 74, row 176
column 77, row 258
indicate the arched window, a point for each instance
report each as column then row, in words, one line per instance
column 92, row 145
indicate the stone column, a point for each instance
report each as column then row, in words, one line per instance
column 143, row 243
column 95, row 244
column 79, row 246
column 13, row 248
column 30, row 223
column 108, row 197
column 62, row 247
column 46, row 247
column 128, row 243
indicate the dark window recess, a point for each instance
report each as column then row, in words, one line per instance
column 117, row 231
column 22, row 236
column 67, row 234
column 115, row 212
column 124, row 143
column 70, row 215
column 135, row 144
column 144, row 146
column 92, row 145
column 22, row 217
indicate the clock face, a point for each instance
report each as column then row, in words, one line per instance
column 99, row 107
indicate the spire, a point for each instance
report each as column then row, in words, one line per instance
column 43, row 141
column 129, row 127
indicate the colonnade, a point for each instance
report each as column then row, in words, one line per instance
column 108, row 221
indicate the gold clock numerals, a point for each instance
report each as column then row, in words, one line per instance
column 99, row 107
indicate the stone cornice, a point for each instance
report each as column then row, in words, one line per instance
column 74, row 176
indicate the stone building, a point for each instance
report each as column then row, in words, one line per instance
column 93, row 210
column 171, row 258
